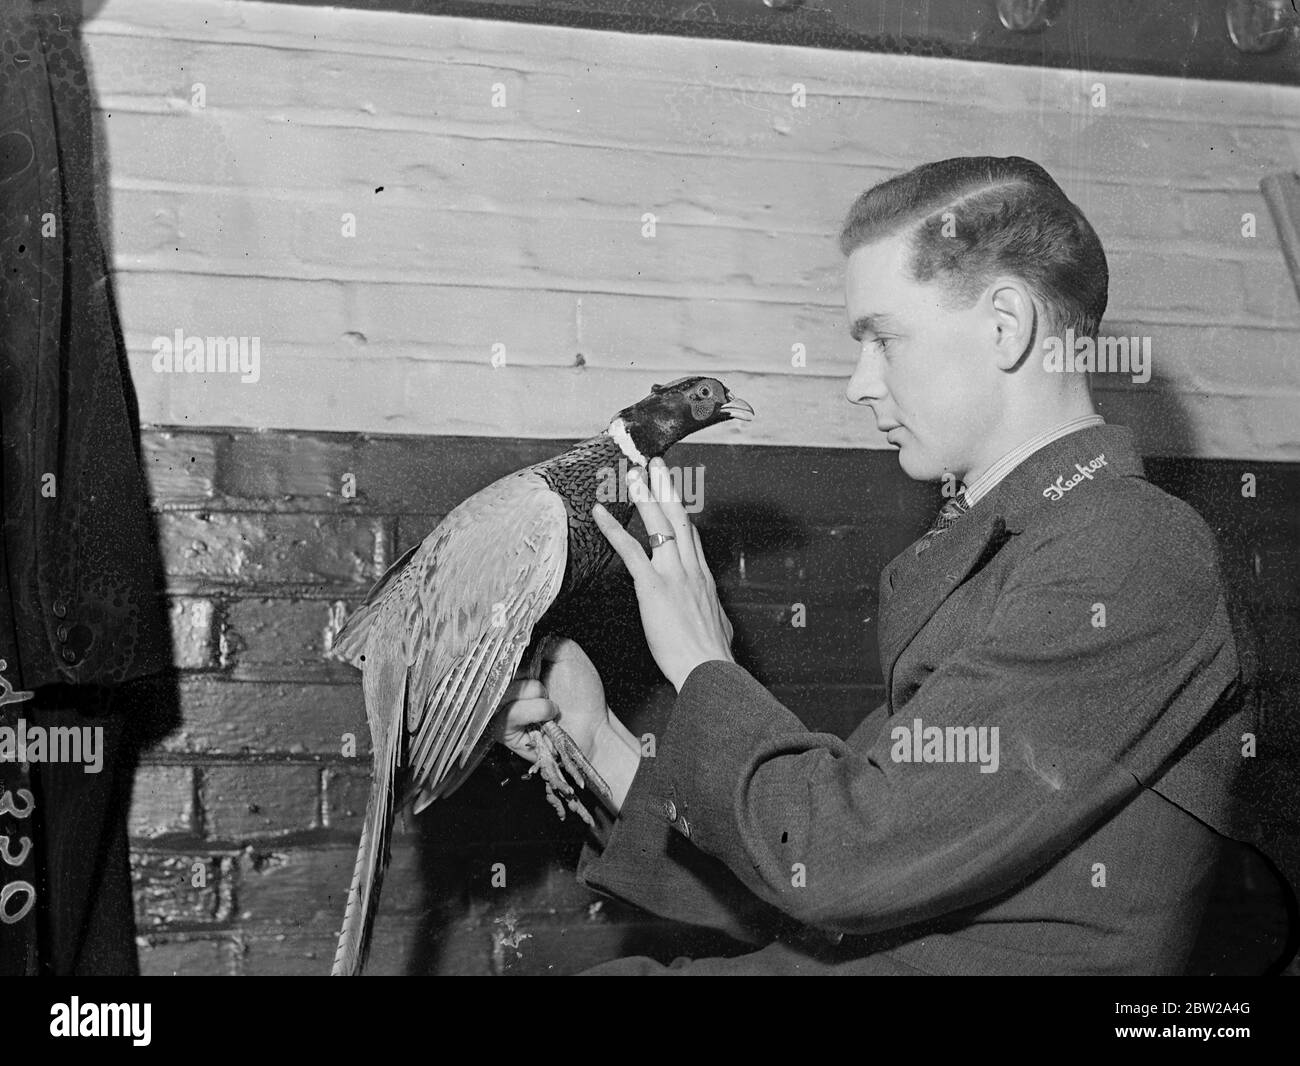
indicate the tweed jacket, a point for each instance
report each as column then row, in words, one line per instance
column 1041, row 792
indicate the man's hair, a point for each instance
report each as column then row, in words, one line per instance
column 969, row 219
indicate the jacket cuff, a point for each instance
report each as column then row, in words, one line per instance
column 721, row 716
column 641, row 861
column 618, row 838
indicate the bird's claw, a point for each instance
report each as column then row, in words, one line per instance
column 550, row 769
column 570, row 755
column 578, row 765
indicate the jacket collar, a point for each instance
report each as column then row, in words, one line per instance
column 913, row 587
column 1063, row 468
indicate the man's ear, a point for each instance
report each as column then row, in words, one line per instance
column 1015, row 321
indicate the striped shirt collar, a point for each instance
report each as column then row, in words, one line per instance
column 987, row 481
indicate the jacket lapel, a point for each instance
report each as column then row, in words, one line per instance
column 913, row 587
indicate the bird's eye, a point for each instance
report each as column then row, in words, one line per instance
column 705, row 392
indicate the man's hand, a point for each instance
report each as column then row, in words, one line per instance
column 684, row 623
column 571, row 693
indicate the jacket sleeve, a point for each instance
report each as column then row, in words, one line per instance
column 639, row 859
column 857, row 837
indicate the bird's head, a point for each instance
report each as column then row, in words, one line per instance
column 674, row 411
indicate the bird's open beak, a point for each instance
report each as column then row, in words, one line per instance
column 735, row 408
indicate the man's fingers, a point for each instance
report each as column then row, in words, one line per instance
column 523, row 689
column 666, row 492
column 699, row 555
column 516, row 714
column 671, row 505
column 530, row 711
column 634, row 558
column 641, row 490
column 699, row 551
column 561, row 649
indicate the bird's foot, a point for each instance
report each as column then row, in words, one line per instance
column 550, row 766
column 576, row 764
column 570, row 756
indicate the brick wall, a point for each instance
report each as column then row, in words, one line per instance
column 522, row 226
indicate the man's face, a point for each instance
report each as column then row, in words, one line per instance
column 921, row 369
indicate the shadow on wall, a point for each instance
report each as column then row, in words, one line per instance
column 1259, row 878
column 86, row 552
column 158, row 715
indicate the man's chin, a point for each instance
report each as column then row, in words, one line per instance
column 918, row 467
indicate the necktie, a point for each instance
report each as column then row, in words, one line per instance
column 948, row 515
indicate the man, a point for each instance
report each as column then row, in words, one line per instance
column 1043, row 790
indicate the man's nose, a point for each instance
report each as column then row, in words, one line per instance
column 866, row 383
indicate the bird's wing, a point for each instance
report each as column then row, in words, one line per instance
column 350, row 641
column 492, row 569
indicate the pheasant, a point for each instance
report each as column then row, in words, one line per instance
column 443, row 632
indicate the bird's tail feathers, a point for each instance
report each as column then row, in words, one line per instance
column 456, row 776
column 385, row 685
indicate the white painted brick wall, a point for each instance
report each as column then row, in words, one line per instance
column 522, row 225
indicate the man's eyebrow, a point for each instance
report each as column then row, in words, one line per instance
column 870, row 324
